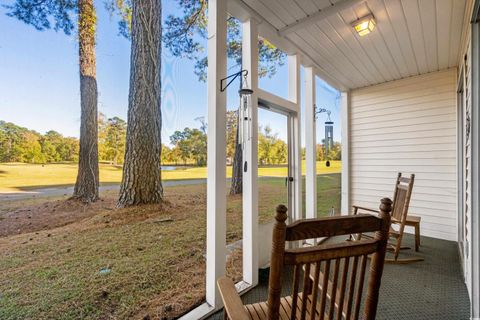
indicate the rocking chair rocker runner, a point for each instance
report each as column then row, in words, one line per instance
column 401, row 202
column 325, row 294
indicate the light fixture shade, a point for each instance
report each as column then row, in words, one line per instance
column 365, row 25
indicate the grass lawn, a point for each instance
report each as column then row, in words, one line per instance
column 63, row 260
column 15, row 177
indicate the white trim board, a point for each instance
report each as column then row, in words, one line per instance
column 345, row 114
column 271, row 101
column 216, row 151
column 475, row 131
column 250, row 238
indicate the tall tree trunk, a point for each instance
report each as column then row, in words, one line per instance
column 86, row 186
column 237, row 174
column 141, row 182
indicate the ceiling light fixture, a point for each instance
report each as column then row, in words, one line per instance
column 364, row 25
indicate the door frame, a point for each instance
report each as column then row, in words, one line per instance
column 475, row 166
column 291, row 152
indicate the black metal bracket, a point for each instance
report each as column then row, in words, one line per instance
column 232, row 77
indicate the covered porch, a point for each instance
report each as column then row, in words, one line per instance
column 432, row 289
column 409, row 103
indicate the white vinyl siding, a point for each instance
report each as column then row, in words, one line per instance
column 408, row 126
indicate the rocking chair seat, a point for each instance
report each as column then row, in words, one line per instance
column 259, row 311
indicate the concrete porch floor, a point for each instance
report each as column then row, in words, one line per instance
column 430, row 289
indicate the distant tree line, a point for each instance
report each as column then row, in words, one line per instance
column 187, row 147
column 271, row 149
column 190, row 146
column 335, row 152
column 19, row 144
column 112, row 135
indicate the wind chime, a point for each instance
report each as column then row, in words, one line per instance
column 245, row 109
column 328, row 141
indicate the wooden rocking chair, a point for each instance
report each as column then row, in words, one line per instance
column 401, row 202
column 324, row 295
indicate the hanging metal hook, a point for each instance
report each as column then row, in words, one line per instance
column 232, row 77
column 322, row 110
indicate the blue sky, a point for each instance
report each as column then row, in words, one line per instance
column 39, row 81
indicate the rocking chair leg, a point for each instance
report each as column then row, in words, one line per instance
column 402, row 261
column 417, row 236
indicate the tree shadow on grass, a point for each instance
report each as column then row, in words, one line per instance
column 56, row 186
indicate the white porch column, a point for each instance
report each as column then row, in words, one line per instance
column 294, row 96
column 216, row 150
column 250, row 156
column 345, row 112
column 310, row 145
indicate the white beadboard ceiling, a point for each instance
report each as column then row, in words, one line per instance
column 412, row 37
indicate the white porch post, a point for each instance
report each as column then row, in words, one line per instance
column 294, row 96
column 250, row 156
column 310, row 145
column 345, row 112
column 216, row 150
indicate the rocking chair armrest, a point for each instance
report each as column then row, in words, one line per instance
column 366, row 209
column 231, row 299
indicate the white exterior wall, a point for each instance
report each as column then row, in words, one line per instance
column 408, row 126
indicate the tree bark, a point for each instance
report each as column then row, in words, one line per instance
column 237, row 174
column 86, row 186
column 141, row 182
